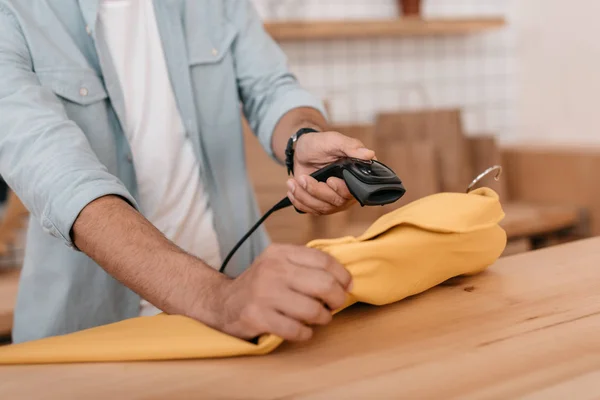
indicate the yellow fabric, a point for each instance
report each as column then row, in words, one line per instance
column 403, row 253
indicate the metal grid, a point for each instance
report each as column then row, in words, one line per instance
column 359, row 78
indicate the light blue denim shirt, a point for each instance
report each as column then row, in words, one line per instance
column 62, row 145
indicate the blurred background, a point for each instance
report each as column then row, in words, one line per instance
column 441, row 90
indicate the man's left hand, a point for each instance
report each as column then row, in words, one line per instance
column 314, row 151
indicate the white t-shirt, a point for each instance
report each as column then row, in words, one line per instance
column 170, row 191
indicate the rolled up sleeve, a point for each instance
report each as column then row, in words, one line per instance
column 44, row 157
column 268, row 89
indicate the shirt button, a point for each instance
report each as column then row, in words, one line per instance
column 215, row 52
column 83, row 91
column 129, row 157
column 88, row 29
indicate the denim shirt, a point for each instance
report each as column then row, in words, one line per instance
column 62, row 143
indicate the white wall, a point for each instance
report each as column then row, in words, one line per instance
column 359, row 78
column 558, row 50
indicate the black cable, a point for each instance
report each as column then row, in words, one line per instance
column 282, row 204
column 243, row 239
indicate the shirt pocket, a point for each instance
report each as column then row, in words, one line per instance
column 80, row 87
column 83, row 97
column 213, row 74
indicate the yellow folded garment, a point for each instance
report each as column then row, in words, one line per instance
column 403, row 253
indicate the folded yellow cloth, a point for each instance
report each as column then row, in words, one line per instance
column 403, row 253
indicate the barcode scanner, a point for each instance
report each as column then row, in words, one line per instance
column 370, row 182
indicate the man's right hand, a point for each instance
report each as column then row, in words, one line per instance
column 285, row 291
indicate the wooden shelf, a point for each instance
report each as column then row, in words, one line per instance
column 356, row 29
column 528, row 220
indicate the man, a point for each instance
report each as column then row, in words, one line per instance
column 121, row 132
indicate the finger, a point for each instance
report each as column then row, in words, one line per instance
column 361, row 153
column 315, row 207
column 309, row 204
column 339, row 186
column 300, row 206
column 319, row 205
column 313, row 258
column 286, row 328
column 349, row 147
column 321, row 191
column 302, row 308
column 318, row 284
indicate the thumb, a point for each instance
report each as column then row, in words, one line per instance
column 355, row 148
column 362, row 153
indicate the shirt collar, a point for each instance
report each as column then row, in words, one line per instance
column 89, row 9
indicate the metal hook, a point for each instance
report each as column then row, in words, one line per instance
column 496, row 168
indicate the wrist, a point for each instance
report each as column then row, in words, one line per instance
column 302, row 117
column 290, row 150
column 207, row 292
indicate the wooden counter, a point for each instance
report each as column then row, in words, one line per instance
column 529, row 327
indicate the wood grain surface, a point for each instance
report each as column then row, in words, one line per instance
column 555, row 175
column 526, row 220
column 441, row 127
column 486, row 153
column 323, row 30
column 529, row 327
column 9, row 282
column 12, row 223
